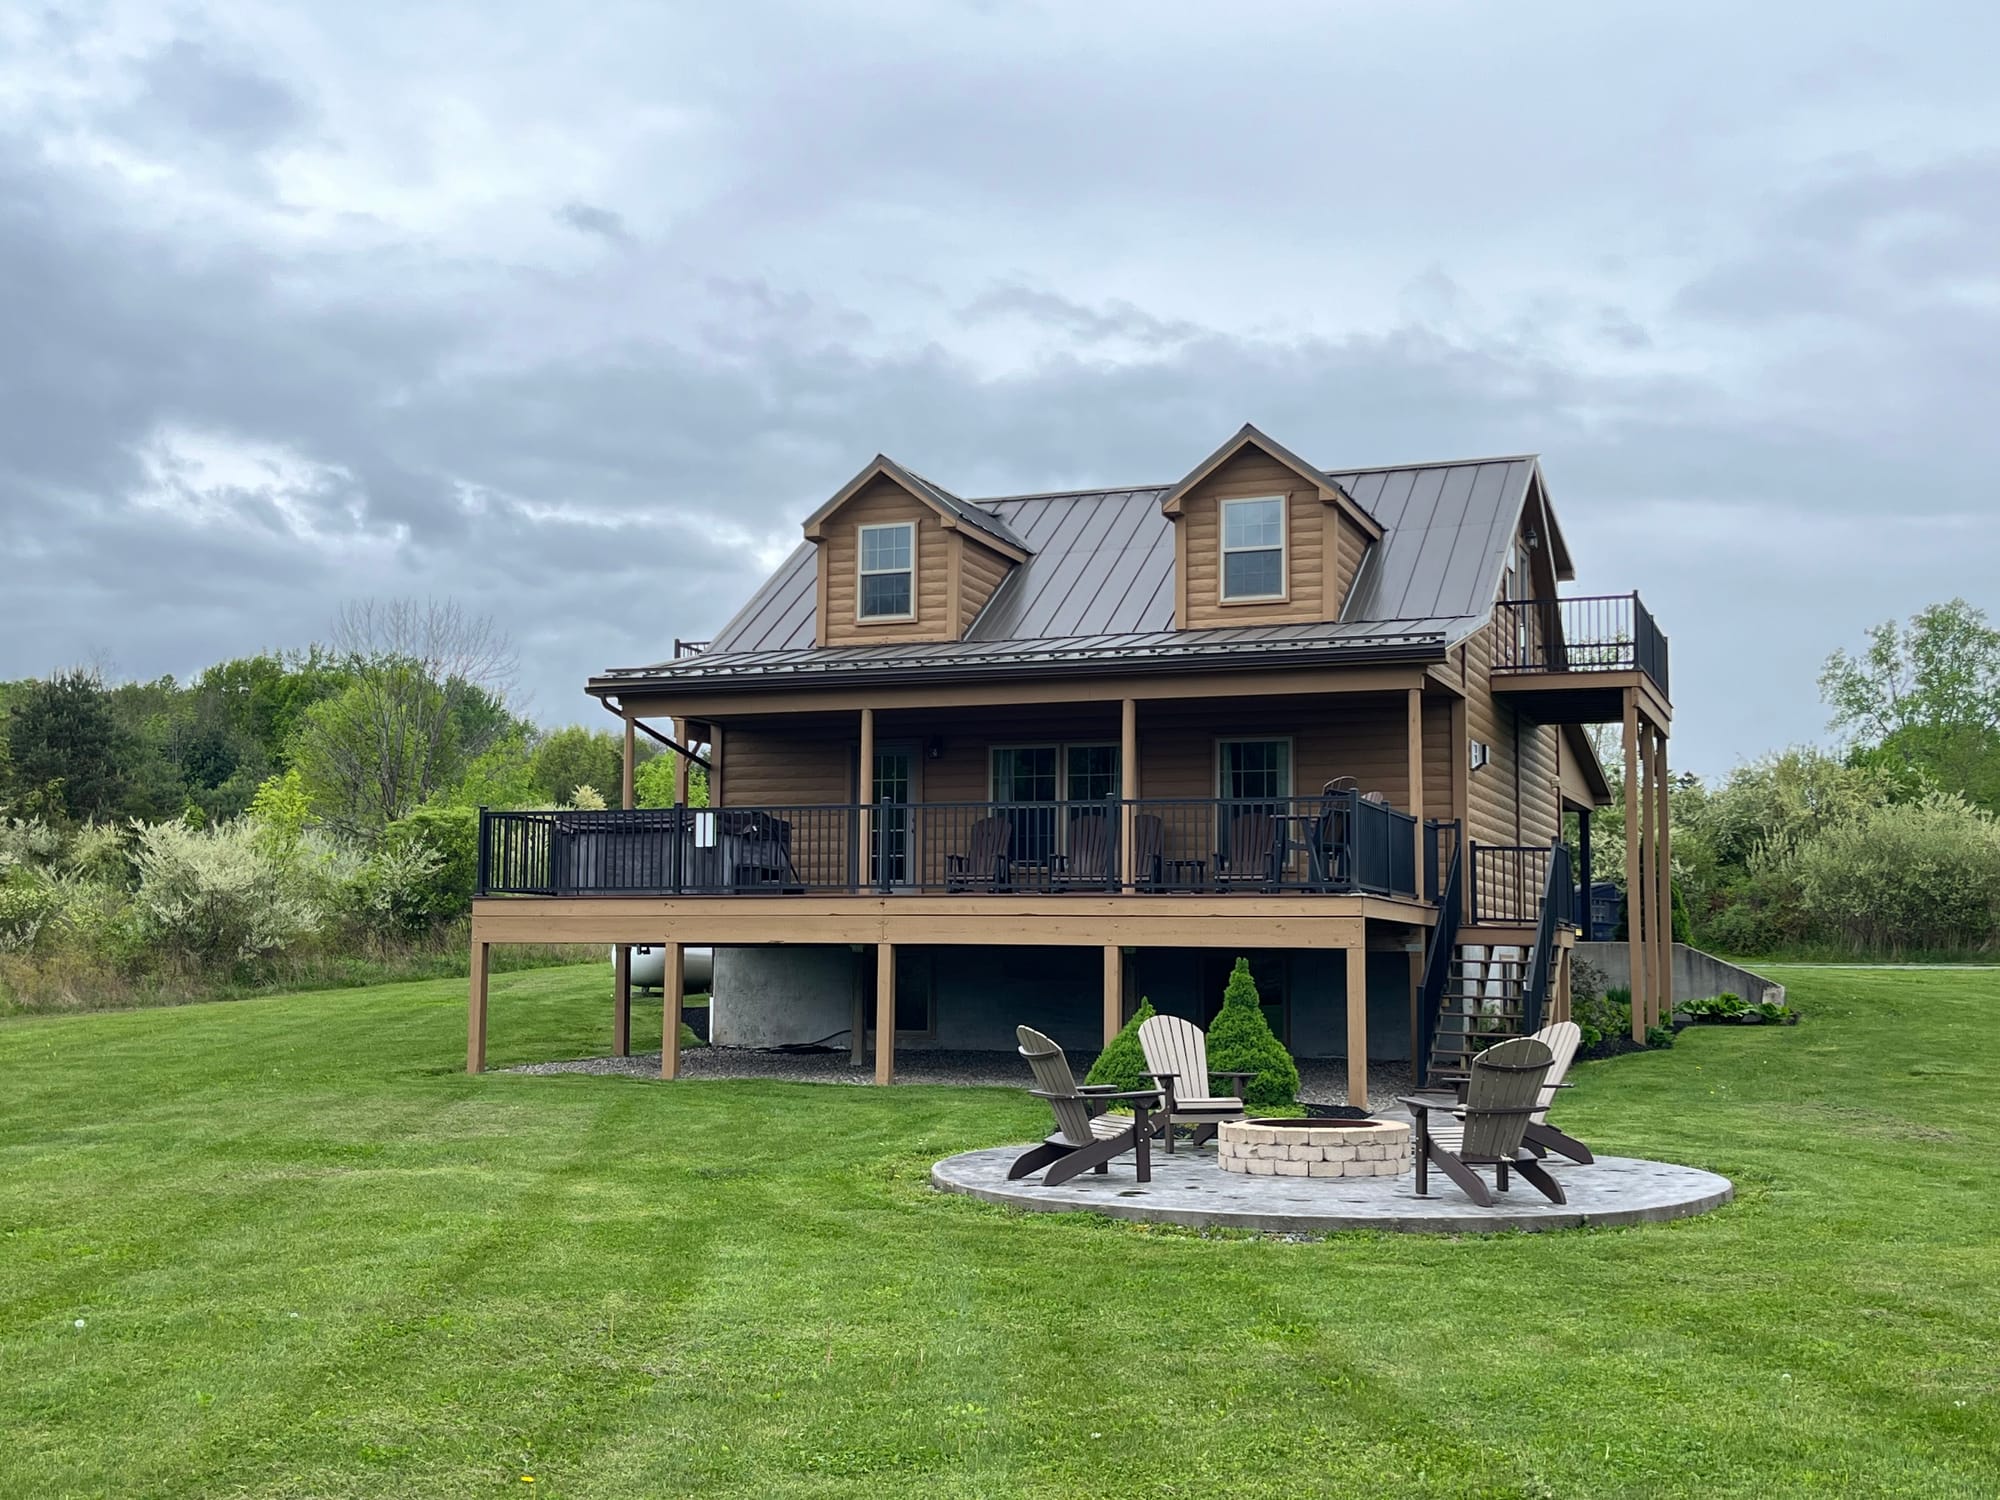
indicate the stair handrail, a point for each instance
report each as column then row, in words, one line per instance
column 1556, row 898
column 1437, row 960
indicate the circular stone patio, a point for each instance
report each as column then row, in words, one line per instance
column 1189, row 1189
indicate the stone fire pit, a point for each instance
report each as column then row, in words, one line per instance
column 1314, row 1148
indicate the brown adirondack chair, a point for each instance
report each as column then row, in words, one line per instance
column 985, row 860
column 1085, row 1139
column 1501, row 1096
column 1090, row 860
column 1252, row 853
column 1562, row 1038
column 1149, row 849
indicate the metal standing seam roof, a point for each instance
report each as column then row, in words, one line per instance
column 1099, row 578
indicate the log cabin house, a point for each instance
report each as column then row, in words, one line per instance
column 973, row 763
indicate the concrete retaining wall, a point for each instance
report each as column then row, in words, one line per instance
column 1697, row 975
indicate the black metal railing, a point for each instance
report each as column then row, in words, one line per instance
column 1336, row 842
column 1447, row 859
column 1509, row 881
column 1558, row 894
column 1599, row 633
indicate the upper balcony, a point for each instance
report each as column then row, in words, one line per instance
column 1570, row 661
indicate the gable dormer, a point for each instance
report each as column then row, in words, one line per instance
column 900, row 559
column 1261, row 537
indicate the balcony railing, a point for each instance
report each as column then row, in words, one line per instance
column 1337, row 842
column 1606, row 633
column 1510, row 884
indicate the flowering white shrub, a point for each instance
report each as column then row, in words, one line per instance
column 216, row 893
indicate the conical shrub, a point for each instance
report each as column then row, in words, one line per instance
column 1241, row 1040
column 1123, row 1063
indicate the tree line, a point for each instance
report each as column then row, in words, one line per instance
column 280, row 817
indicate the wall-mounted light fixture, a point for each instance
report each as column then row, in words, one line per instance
column 935, row 749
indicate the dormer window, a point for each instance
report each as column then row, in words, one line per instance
column 1253, row 549
column 888, row 572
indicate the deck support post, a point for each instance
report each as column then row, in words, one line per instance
column 885, row 1009
column 626, row 783
column 681, row 727
column 621, row 1000
column 1635, row 905
column 475, row 1007
column 1663, row 970
column 1128, row 789
column 864, row 793
column 1114, row 991
column 673, row 980
column 1357, row 1022
column 1416, row 1004
column 1649, row 875
column 1414, row 744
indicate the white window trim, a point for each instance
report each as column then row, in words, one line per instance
column 861, row 572
column 1062, row 749
column 1284, row 594
column 1291, row 764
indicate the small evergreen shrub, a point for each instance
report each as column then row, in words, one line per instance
column 1241, row 1040
column 1122, row 1064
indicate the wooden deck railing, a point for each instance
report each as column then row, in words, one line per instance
column 1337, row 842
column 1601, row 633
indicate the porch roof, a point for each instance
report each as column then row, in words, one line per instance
column 1352, row 643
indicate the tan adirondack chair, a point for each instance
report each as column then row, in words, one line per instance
column 1500, row 1096
column 1177, row 1058
column 1085, row 1139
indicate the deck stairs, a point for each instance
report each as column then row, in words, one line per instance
column 1484, row 1001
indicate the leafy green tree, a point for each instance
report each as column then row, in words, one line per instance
column 1122, row 1064
column 1241, row 1040
column 1925, row 696
column 653, row 783
column 574, row 756
column 67, row 753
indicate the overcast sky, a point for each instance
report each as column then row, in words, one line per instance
column 575, row 313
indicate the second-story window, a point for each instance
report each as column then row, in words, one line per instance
column 888, row 571
column 1253, row 548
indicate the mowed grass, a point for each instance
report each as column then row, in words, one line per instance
column 310, row 1257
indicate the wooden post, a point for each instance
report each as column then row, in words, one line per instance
column 865, row 825
column 714, row 764
column 857, row 1041
column 685, row 732
column 1461, row 793
column 1665, row 882
column 626, row 799
column 1414, row 746
column 1357, row 1023
column 1416, row 1002
column 1634, row 898
column 621, row 1000
column 1128, row 789
column 1114, row 991
column 673, row 980
column 1649, row 874
column 885, row 1009
column 475, row 1008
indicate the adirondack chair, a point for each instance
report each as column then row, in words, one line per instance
column 1085, row 1138
column 1090, row 860
column 1252, row 854
column 985, row 860
column 1149, row 848
column 1562, row 1038
column 1177, row 1059
column 1500, row 1096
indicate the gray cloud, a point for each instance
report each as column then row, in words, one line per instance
column 288, row 325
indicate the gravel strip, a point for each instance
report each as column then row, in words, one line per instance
column 1321, row 1080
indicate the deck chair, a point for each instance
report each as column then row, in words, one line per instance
column 1149, row 849
column 1177, row 1059
column 985, row 860
column 1090, row 860
column 1500, row 1096
column 1085, row 1138
column 1253, row 850
column 1562, row 1038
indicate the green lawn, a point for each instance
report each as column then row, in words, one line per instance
column 310, row 1257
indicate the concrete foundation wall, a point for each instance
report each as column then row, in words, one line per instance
column 1696, row 974
column 766, row 997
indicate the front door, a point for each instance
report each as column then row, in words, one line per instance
column 895, row 780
